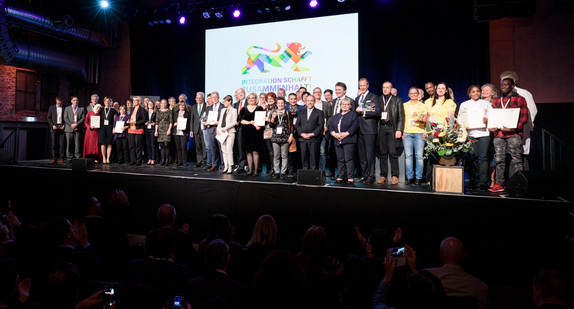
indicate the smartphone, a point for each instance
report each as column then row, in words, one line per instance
column 177, row 302
column 399, row 254
column 109, row 296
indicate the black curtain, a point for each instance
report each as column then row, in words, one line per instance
column 407, row 42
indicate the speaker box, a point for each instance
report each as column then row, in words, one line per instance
column 533, row 184
column 311, row 177
column 82, row 165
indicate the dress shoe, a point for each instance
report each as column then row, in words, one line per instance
column 249, row 173
column 419, row 182
column 239, row 169
column 275, row 176
column 255, row 174
column 362, row 179
column 198, row 164
column 62, row 161
column 394, row 180
column 212, row 169
column 370, row 180
column 53, row 161
column 408, row 182
column 340, row 180
column 382, row 180
column 131, row 163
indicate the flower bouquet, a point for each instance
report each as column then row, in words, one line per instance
column 449, row 141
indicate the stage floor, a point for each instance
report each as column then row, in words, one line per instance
column 200, row 173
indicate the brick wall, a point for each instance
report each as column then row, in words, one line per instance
column 7, row 92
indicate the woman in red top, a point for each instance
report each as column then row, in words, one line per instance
column 91, row 149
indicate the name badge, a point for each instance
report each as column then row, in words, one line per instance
column 383, row 115
column 279, row 130
column 412, row 122
column 106, row 122
column 294, row 121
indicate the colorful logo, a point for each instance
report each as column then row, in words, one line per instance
column 276, row 58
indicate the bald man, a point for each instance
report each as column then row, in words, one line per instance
column 183, row 248
column 455, row 281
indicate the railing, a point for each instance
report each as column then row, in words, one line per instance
column 10, row 145
column 555, row 157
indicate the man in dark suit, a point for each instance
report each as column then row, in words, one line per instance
column 74, row 117
column 238, row 146
column 212, row 131
column 325, row 107
column 309, row 126
column 215, row 289
column 369, row 116
column 391, row 126
column 197, row 112
column 58, row 137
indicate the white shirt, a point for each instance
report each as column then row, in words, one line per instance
column 59, row 114
column 481, row 104
column 309, row 110
column 532, row 111
column 362, row 97
column 300, row 102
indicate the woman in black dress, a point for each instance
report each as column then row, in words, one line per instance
column 252, row 134
column 106, row 137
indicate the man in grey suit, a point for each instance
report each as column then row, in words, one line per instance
column 369, row 116
column 310, row 125
column 391, row 126
column 212, row 132
column 197, row 112
column 58, row 137
column 74, row 117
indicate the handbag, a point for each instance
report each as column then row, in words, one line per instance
column 293, row 146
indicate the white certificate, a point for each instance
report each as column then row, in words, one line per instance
column 212, row 117
column 119, row 126
column 259, row 118
column 472, row 118
column 95, row 122
column 181, row 123
column 222, row 136
column 503, row 117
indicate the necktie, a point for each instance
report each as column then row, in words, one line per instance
column 199, row 109
column 362, row 98
column 337, row 106
column 223, row 122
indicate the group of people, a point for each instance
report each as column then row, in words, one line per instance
column 84, row 261
column 318, row 130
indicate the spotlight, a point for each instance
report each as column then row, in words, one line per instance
column 287, row 7
column 341, row 1
column 150, row 23
column 218, row 14
column 206, row 15
column 267, row 10
column 277, row 8
column 168, row 21
column 182, row 20
column 161, row 21
column 313, row 3
column 260, row 10
column 155, row 22
column 236, row 13
column 104, row 4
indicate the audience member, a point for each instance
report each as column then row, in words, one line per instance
column 551, row 289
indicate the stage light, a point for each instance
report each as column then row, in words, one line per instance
column 277, row 8
column 341, row 1
column 267, row 10
column 287, row 7
column 150, row 23
column 155, row 22
column 104, row 4
column 218, row 14
column 206, row 15
column 313, row 3
column 260, row 10
column 182, row 20
column 236, row 13
column 168, row 21
column 161, row 21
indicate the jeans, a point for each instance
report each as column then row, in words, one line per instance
column 479, row 161
column 207, row 148
column 512, row 145
column 323, row 154
column 280, row 153
column 414, row 145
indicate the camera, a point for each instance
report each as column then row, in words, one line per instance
column 399, row 254
column 109, row 296
column 177, row 302
column 396, row 252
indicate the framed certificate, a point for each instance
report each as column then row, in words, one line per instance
column 119, row 126
column 259, row 118
column 212, row 117
column 503, row 117
column 181, row 124
column 95, row 122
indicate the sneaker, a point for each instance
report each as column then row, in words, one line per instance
column 496, row 188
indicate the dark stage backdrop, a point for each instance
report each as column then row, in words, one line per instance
column 407, row 42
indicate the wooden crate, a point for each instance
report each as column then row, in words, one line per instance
column 449, row 179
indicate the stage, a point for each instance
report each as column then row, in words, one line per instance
column 494, row 227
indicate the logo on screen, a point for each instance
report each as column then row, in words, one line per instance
column 263, row 59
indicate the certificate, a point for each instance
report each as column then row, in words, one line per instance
column 222, row 136
column 181, row 124
column 119, row 126
column 95, row 122
column 259, row 118
column 503, row 117
column 212, row 117
column 472, row 118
